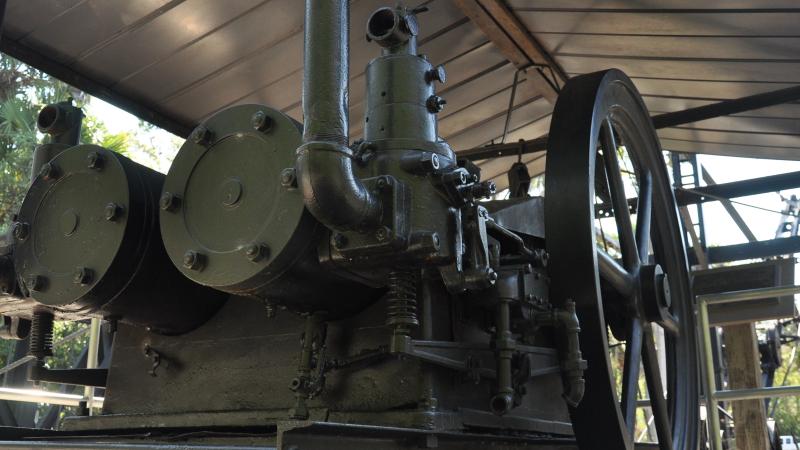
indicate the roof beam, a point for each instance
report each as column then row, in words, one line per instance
column 666, row 120
column 506, row 32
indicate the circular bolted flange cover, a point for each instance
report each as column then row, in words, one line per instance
column 70, row 231
column 232, row 200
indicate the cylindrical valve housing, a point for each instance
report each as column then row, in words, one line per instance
column 87, row 244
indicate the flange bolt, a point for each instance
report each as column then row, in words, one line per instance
column 261, row 121
column 201, row 135
column 289, row 178
column 383, row 234
column 82, row 276
column 35, row 283
column 435, row 104
column 169, row 201
column 112, row 212
column 48, row 172
column 21, row 231
column 192, row 260
column 255, row 252
column 94, row 160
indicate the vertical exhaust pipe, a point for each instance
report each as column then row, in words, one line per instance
column 331, row 191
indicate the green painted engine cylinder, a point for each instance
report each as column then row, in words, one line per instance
column 232, row 217
column 87, row 244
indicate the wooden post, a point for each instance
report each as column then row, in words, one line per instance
column 749, row 417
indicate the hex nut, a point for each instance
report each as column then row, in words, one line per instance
column 82, row 276
column 289, row 177
column 112, row 212
column 94, row 160
column 261, row 121
column 201, row 135
column 21, row 230
column 435, row 104
column 35, row 283
column 256, row 252
column 169, row 201
column 48, row 172
column 383, row 234
column 192, row 260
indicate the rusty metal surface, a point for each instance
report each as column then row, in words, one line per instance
column 186, row 59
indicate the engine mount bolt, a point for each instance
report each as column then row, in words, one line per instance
column 112, row 212
column 201, row 135
column 21, row 231
column 289, row 177
column 94, row 160
column 169, row 201
column 82, row 276
column 261, row 121
column 48, row 172
column 383, row 234
column 436, row 74
column 382, row 183
column 35, row 283
column 255, row 252
column 192, row 260
column 435, row 104
column 339, row 241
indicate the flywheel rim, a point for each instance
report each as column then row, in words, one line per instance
column 591, row 112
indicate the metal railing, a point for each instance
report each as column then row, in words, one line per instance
column 709, row 383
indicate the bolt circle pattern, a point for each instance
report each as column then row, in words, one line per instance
column 233, row 199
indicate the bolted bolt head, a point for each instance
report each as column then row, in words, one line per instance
column 435, row 104
column 256, row 252
column 492, row 276
column 35, row 283
column 82, row 276
column 383, row 234
column 339, row 241
column 112, row 212
column 21, row 231
column 169, row 201
column 261, row 121
column 192, row 260
column 48, row 172
column 436, row 74
column 289, row 178
column 94, row 160
column 201, row 135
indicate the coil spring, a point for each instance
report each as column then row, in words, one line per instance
column 41, row 342
column 402, row 299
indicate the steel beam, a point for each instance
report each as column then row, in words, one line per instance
column 772, row 183
column 137, row 107
column 752, row 250
column 666, row 120
column 514, row 40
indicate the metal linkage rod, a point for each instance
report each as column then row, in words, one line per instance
column 666, row 120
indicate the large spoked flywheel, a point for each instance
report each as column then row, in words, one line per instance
column 615, row 247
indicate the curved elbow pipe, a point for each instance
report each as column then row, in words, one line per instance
column 331, row 191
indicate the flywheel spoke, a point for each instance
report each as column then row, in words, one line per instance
column 630, row 374
column 619, row 200
column 655, row 389
column 616, row 275
column 644, row 214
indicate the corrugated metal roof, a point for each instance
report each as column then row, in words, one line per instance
column 178, row 61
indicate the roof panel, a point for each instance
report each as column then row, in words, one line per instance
column 185, row 59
